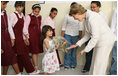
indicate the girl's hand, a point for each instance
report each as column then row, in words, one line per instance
column 72, row 46
column 57, row 45
column 63, row 43
column 27, row 42
column 2, row 51
column 13, row 42
column 81, row 53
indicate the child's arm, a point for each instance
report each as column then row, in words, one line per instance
column 10, row 28
column 25, row 29
column 26, row 41
column 46, row 44
column 26, row 26
column 57, row 46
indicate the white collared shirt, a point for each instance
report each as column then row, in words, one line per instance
column 71, row 26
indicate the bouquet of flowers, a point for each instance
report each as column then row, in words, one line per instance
column 62, row 43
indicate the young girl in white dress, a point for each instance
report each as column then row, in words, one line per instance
column 50, row 62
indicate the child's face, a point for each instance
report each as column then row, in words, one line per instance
column 53, row 14
column 36, row 11
column 49, row 33
column 19, row 8
column 3, row 5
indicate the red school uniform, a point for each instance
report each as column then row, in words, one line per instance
column 8, row 57
column 20, row 47
column 35, row 34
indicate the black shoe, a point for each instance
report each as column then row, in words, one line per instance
column 61, row 65
column 84, row 71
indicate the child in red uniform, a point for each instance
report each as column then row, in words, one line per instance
column 33, row 25
column 17, row 22
column 7, row 54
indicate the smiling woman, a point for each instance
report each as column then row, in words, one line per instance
column 77, row 9
column 78, row 14
column 102, row 38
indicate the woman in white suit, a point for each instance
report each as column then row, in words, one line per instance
column 95, row 6
column 102, row 39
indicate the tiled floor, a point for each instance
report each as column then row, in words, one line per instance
column 77, row 71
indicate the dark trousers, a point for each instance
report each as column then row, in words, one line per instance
column 88, row 59
column 25, row 62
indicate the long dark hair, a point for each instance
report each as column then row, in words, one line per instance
column 19, row 3
column 44, row 31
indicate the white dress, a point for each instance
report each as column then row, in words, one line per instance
column 50, row 63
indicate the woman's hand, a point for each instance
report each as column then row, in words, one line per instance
column 27, row 41
column 72, row 46
column 13, row 42
column 81, row 53
column 2, row 51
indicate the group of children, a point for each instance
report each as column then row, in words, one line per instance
column 22, row 35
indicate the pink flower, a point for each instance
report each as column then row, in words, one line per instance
column 48, row 59
column 55, row 61
column 49, row 69
column 52, row 63
column 52, row 56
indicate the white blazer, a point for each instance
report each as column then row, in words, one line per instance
column 104, row 16
column 98, row 30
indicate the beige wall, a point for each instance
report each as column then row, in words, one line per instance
column 63, row 9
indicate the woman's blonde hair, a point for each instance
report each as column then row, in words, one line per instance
column 77, row 8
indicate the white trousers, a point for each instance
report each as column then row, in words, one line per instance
column 100, row 59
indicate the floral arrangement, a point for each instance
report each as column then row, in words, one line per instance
column 62, row 43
